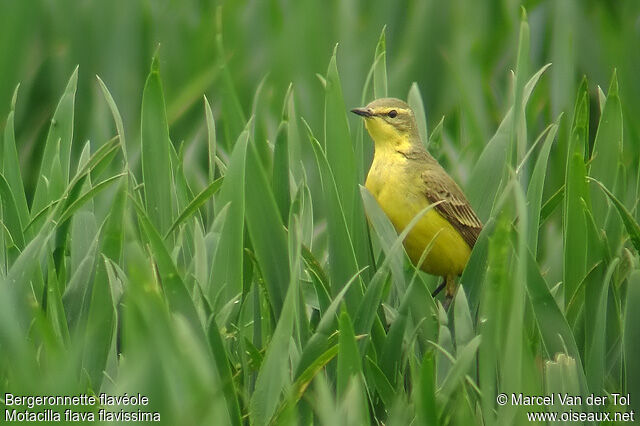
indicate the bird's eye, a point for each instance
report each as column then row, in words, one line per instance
column 393, row 113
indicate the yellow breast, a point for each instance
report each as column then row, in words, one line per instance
column 399, row 191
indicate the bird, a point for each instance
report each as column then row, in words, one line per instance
column 405, row 178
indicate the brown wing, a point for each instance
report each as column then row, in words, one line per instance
column 454, row 206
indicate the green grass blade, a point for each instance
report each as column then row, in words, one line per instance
column 176, row 293
column 270, row 247
column 607, row 151
column 340, row 156
column 281, row 172
column 425, row 398
column 113, row 239
column 380, row 68
column 211, row 140
column 197, row 202
column 235, row 118
column 557, row 336
column 321, row 341
column 518, row 123
column 54, row 307
column 462, row 320
column 630, row 224
column 294, row 141
column 155, row 155
column 222, row 364
column 536, row 186
column 11, row 168
column 595, row 329
column 349, row 363
column 273, row 377
column 227, row 263
column 342, row 256
column 100, row 327
column 458, row 371
column 414, row 99
column 117, row 118
column 574, row 222
column 86, row 197
column 58, row 141
column 373, row 373
column 10, row 214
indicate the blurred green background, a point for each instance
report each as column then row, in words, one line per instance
column 459, row 52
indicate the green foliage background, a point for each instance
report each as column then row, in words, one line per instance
column 216, row 256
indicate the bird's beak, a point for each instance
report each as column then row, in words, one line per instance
column 364, row 112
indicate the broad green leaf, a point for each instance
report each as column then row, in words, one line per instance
column 462, row 319
column 174, row 289
column 77, row 203
column 227, row 263
column 458, row 371
column 514, row 356
column 607, row 151
column 491, row 320
column 321, row 341
column 425, row 398
column 58, row 144
column 267, row 232
column 573, row 218
column 474, row 273
column 595, row 327
column 380, row 382
column 342, row 256
column 222, row 363
column 551, row 205
column 393, row 345
column 54, row 308
column 77, row 295
column 83, row 224
column 100, row 327
column 536, row 186
column 113, row 239
column 557, row 336
column 349, row 363
column 281, row 173
column 273, row 377
column 155, row 152
column 341, row 160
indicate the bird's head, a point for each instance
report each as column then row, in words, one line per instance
column 390, row 122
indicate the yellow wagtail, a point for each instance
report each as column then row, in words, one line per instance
column 405, row 179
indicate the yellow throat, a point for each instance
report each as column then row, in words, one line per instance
column 403, row 177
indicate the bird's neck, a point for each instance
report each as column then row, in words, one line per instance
column 408, row 146
column 386, row 141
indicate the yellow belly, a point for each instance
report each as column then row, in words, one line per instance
column 401, row 199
